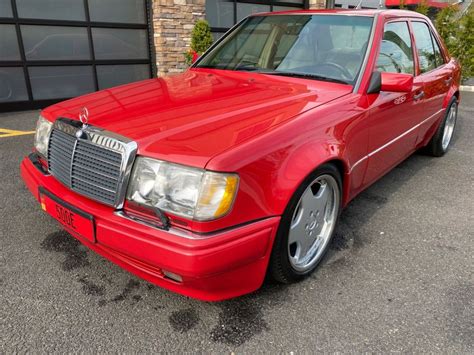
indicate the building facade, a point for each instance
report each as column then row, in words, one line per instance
column 51, row 50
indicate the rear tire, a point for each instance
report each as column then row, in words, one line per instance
column 440, row 143
column 307, row 226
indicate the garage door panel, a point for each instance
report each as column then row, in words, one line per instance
column 61, row 81
column 55, row 42
column 72, row 10
column 122, row 11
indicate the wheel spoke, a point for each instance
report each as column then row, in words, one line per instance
column 449, row 127
column 297, row 231
column 313, row 222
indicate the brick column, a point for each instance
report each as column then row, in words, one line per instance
column 173, row 21
column 317, row 4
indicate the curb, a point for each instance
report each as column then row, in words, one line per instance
column 466, row 88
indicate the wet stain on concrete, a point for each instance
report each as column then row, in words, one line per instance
column 341, row 241
column 239, row 320
column 74, row 251
column 183, row 320
column 129, row 287
column 90, row 288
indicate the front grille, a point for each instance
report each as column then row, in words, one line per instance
column 85, row 167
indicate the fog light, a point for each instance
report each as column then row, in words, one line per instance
column 172, row 276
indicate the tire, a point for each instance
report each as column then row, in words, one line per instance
column 439, row 144
column 303, row 236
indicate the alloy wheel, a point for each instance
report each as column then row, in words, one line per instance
column 313, row 223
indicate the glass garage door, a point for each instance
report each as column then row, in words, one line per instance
column 223, row 14
column 52, row 50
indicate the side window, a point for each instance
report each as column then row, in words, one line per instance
column 424, row 46
column 437, row 50
column 396, row 53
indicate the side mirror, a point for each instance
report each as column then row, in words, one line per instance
column 392, row 82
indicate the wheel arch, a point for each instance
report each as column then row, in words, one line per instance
column 319, row 158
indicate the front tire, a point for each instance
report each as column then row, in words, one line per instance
column 307, row 226
column 439, row 144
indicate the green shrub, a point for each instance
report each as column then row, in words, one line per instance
column 423, row 7
column 201, row 40
column 458, row 35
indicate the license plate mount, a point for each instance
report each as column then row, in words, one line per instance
column 72, row 218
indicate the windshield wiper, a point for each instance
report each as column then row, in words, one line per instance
column 307, row 76
column 254, row 69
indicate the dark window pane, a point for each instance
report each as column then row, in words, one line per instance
column 111, row 43
column 438, row 56
column 8, row 43
column 220, row 13
column 113, row 75
column 243, row 10
column 285, row 8
column 396, row 53
column 61, row 81
column 52, row 9
column 424, row 46
column 6, row 8
column 216, row 36
column 12, row 85
column 127, row 11
column 300, row 2
column 55, row 43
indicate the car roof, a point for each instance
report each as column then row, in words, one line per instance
column 361, row 12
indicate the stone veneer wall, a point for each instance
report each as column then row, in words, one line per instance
column 173, row 21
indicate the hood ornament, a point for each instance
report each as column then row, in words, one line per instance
column 84, row 118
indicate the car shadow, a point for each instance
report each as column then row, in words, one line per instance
column 233, row 322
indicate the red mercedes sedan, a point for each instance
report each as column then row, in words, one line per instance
column 205, row 182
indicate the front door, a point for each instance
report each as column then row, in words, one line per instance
column 393, row 116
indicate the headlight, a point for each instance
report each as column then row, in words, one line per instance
column 184, row 191
column 43, row 130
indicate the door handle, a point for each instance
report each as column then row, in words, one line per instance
column 448, row 80
column 418, row 96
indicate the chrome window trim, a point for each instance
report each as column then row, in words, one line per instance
column 106, row 140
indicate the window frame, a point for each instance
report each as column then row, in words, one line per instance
column 356, row 83
column 434, row 37
column 413, row 49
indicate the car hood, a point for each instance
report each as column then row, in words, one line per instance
column 191, row 117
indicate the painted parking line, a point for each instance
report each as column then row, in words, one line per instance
column 12, row 133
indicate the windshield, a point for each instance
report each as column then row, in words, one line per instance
column 324, row 47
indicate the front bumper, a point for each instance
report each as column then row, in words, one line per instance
column 213, row 267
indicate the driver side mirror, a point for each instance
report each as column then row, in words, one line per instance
column 392, row 82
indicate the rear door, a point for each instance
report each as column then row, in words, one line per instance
column 435, row 74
